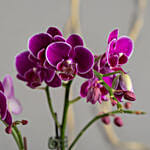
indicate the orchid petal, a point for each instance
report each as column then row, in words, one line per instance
column 23, row 64
column 14, row 106
column 54, row 31
column 84, row 59
column 84, row 89
column 8, row 118
column 75, row 40
column 58, row 38
column 57, row 51
column 8, row 86
column 1, row 87
column 113, row 35
column 87, row 75
column 3, row 106
column 124, row 45
column 56, row 82
column 38, row 42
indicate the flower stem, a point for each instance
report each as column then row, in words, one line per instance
column 16, row 138
column 51, row 107
column 97, row 118
column 75, row 100
column 18, row 133
column 100, row 77
column 64, row 120
column 112, row 73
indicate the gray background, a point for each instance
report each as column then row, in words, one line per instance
column 19, row 19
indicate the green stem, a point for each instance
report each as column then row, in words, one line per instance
column 97, row 118
column 64, row 119
column 16, row 138
column 74, row 100
column 16, row 135
column 51, row 107
column 110, row 90
column 111, row 73
column 100, row 77
column 20, row 140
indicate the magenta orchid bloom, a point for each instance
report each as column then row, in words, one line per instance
column 8, row 102
column 70, row 58
column 119, row 49
column 33, row 74
column 32, row 66
column 51, row 58
column 94, row 91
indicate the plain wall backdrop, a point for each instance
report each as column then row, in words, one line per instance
column 20, row 19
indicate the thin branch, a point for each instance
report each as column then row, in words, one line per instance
column 75, row 100
column 50, row 106
column 101, row 116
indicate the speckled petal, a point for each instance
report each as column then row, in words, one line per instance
column 84, row 89
column 38, row 42
column 54, row 31
column 8, row 118
column 3, row 106
column 56, row 52
column 87, row 75
column 124, row 45
column 8, row 86
column 75, row 40
column 23, row 64
column 56, row 82
column 113, row 35
column 84, row 59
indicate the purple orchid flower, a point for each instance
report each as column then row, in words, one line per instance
column 94, row 91
column 49, row 53
column 34, row 75
column 70, row 58
column 8, row 102
column 119, row 49
column 32, row 66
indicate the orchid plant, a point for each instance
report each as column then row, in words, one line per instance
column 51, row 61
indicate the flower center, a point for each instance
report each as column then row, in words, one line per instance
column 67, row 69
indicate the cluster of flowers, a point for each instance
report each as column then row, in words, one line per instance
column 51, row 58
column 117, row 54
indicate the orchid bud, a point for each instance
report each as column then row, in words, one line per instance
column 118, row 121
column 128, row 95
column 8, row 130
column 125, row 82
column 24, row 122
column 127, row 105
column 106, row 120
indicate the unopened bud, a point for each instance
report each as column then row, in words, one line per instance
column 118, row 121
column 106, row 120
column 127, row 105
column 8, row 130
column 128, row 95
column 24, row 122
column 125, row 82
